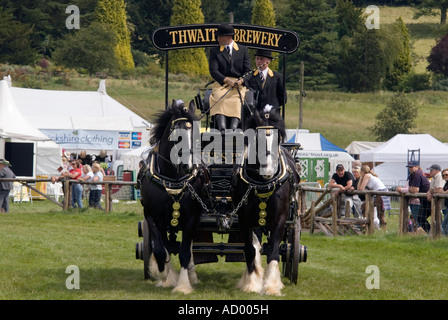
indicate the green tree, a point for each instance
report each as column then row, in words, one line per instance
column 366, row 58
column 314, row 21
column 145, row 17
column 113, row 14
column 403, row 62
column 215, row 11
column 427, row 8
column 397, row 117
column 91, row 48
column 241, row 10
column 263, row 14
column 349, row 18
column 15, row 40
column 47, row 17
column 188, row 61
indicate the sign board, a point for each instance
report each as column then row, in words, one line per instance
column 95, row 139
column 203, row 35
column 314, row 170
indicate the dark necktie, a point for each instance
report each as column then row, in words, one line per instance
column 228, row 51
column 262, row 78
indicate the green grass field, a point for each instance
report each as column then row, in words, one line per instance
column 38, row 242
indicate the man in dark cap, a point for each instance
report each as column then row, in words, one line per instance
column 5, row 187
column 417, row 182
column 265, row 81
column 343, row 181
column 227, row 64
column 435, row 186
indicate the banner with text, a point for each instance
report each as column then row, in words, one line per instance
column 93, row 139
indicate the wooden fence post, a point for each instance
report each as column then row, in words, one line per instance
column 370, row 213
column 67, row 194
column 334, row 214
column 313, row 213
column 107, row 197
column 403, row 216
column 436, row 218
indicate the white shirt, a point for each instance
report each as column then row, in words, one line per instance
column 265, row 73
column 230, row 46
column 437, row 182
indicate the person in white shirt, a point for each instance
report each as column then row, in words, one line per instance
column 437, row 182
column 96, row 189
column 370, row 181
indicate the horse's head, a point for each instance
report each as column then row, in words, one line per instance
column 269, row 133
column 173, row 134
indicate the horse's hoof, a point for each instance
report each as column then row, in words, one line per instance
column 183, row 289
column 251, row 282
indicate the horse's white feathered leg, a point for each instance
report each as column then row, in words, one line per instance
column 167, row 278
column 273, row 283
column 253, row 282
column 192, row 275
column 183, row 285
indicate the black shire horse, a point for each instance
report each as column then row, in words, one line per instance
column 267, row 179
column 168, row 184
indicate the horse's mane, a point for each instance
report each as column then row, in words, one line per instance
column 163, row 120
column 275, row 120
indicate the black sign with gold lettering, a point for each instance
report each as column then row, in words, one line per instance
column 203, row 35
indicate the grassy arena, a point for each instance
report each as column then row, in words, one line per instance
column 38, row 242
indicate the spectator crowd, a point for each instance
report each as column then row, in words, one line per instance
column 85, row 167
column 363, row 178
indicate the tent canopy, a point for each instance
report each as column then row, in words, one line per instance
column 393, row 156
column 313, row 142
column 396, row 149
column 88, row 110
column 90, row 120
column 12, row 122
column 356, row 147
column 15, row 127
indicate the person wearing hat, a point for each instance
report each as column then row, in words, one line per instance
column 415, row 172
column 5, row 187
column 417, row 182
column 267, row 82
column 228, row 63
column 435, row 186
column 343, row 181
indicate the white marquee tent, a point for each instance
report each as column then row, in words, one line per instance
column 356, row 147
column 393, row 155
column 77, row 120
column 15, row 128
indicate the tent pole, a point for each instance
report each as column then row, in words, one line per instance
column 166, row 80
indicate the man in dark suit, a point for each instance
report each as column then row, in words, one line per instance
column 228, row 63
column 267, row 82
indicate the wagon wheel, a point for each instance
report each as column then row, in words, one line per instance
column 292, row 255
column 295, row 253
column 144, row 248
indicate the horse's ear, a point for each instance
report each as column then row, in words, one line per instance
column 170, row 106
column 192, row 107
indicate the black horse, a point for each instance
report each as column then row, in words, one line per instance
column 267, row 178
column 169, row 184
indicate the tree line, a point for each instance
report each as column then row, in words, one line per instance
column 338, row 50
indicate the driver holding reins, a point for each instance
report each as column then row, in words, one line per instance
column 228, row 63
